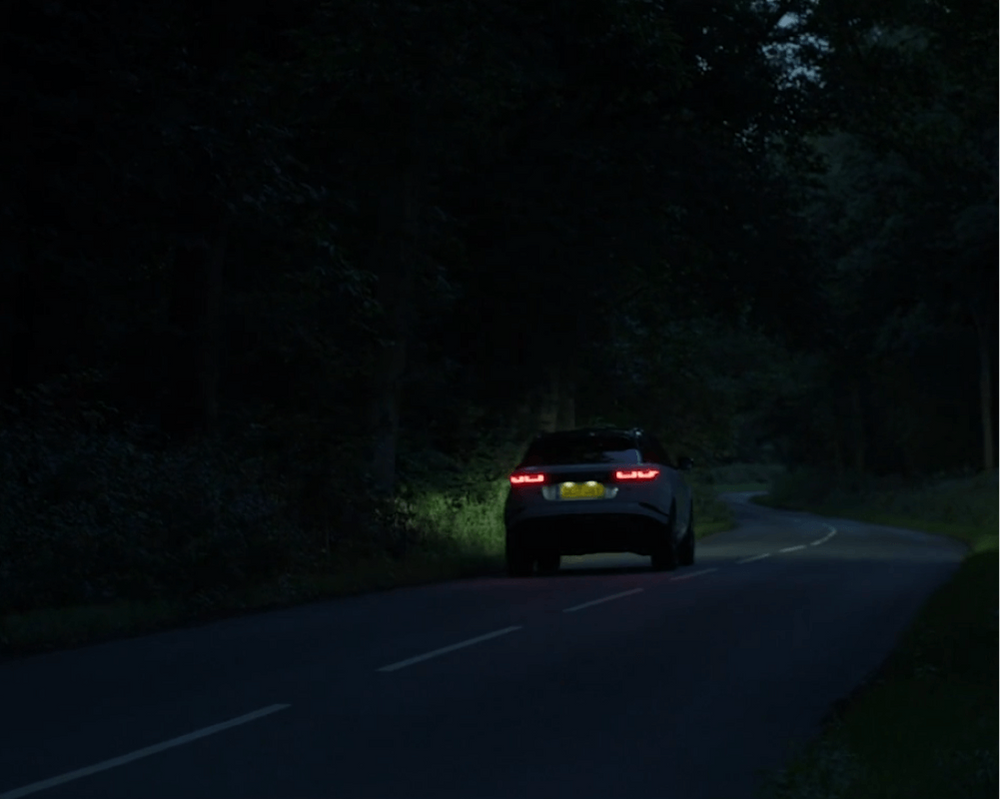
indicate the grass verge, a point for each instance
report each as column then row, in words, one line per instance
column 711, row 514
column 463, row 537
column 48, row 629
column 460, row 536
column 925, row 727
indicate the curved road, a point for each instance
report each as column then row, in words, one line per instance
column 607, row 680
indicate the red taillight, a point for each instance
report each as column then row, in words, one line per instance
column 524, row 478
column 636, row 474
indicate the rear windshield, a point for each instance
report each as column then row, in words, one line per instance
column 589, row 449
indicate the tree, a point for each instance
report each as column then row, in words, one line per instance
column 907, row 224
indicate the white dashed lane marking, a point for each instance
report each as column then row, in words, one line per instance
column 53, row 782
column 755, row 557
column 824, row 539
column 601, row 600
column 402, row 664
column 816, row 543
column 69, row 776
column 692, row 574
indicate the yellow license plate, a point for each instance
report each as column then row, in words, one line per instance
column 589, row 490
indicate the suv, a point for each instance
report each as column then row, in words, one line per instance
column 598, row 490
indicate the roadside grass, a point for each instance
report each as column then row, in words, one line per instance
column 58, row 628
column 712, row 514
column 733, row 488
column 925, row 726
column 450, row 535
column 731, row 475
column 41, row 629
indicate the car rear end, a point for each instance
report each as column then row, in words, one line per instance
column 586, row 492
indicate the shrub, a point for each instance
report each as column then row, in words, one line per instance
column 829, row 772
column 741, row 473
column 89, row 515
column 95, row 510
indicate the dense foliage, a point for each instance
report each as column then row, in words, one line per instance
column 268, row 271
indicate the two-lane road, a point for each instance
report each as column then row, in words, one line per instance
column 606, row 680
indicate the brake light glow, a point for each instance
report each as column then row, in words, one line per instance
column 525, row 478
column 636, row 474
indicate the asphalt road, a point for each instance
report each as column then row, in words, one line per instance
column 607, row 680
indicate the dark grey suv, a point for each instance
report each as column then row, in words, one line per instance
column 598, row 490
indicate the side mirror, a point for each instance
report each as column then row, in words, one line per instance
column 685, row 464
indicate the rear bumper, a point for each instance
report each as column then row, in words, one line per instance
column 518, row 513
column 584, row 534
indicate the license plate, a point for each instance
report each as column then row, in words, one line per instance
column 588, row 490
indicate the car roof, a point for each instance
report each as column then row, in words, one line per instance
column 582, row 432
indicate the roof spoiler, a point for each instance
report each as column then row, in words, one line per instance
column 636, row 431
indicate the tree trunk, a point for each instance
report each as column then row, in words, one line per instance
column 858, row 424
column 212, row 331
column 985, row 387
column 838, row 459
column 12, row 324
column 836, row 444
column 548, row 411
column 557, row 406
column 394, row 261
column 191, row 364
column 179, row 397
column 22, row 301
column 566, row 419
column 389, row 368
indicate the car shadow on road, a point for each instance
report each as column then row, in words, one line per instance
column 602, row 565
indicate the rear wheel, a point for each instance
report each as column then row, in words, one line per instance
column 664, row 555
column 548, row 562
column 685, row 552
column 520, row 560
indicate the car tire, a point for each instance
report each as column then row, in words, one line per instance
column 520, row 559
column 664, row 555
column 685, row 553
column 548, row 562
